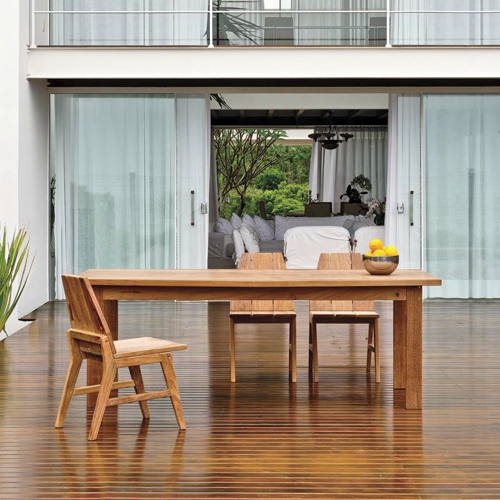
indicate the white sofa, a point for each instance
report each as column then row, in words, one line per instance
column 303, row 245
column 221, row 249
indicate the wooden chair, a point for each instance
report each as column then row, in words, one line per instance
column 318, row 209
column 263, row 311
column 343, row 312
column 90, row 338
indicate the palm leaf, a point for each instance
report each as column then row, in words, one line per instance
column 15, row 267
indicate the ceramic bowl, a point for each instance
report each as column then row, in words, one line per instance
column 381, row 265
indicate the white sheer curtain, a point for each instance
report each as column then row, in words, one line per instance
column 193, row 169
column 391, row 210
column 462, row 182
column 447, row 28
column 404, row 176
column 360, row 22
column 128, row 29
column 114, row 159
column 332, row 170
column 121, row 198
column 322, row 173
column 319, row 28
column 334, row 28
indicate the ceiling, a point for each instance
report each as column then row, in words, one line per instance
column 293, row 118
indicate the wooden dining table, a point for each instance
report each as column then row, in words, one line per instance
column 403, row 288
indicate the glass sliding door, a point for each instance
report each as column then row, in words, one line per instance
column 462, row 185
column 403, row 219
column 126, row 22
column 118, row 202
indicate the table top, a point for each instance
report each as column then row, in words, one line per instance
column 297, row 278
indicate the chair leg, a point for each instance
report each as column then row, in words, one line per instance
column 167, row 366
column 75, row 364
column 314, row 335
column 377, row 350
column 136, row 374
column 108, row 377
column 232, row 354
column 310, row 362
column 370, row 347
column 292, row 351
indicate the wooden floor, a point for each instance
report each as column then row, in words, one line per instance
column 260, row 438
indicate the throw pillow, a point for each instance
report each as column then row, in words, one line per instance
column 236, row 221
column 248, row 219
column 281, row 226
column 223, row 226
column 265, row 228
column 239, row 246
column 250, row 238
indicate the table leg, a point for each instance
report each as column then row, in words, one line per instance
column 399, row 344
column 94, row 368
column 414, row 348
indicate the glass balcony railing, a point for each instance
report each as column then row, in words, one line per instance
column 277, row 23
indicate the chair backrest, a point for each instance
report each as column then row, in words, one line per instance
column 340, row 262
column 364, row 235
column 84, row 311
column 261, row 261
column 303, row 245
column 318, row 209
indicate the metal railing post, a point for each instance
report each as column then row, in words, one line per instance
column 33, row 25
column 211, row 25
column 388, row 25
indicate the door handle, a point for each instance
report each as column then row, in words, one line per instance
column 411, row 208
column 192, row 208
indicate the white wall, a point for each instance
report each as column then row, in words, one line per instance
column 248, row 63
column 23, row 143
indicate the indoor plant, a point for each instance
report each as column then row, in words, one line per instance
column 15, row 267
column 358, row 187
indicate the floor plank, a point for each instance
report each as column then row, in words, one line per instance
column 260, row 438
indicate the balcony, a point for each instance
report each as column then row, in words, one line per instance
column 262, row 23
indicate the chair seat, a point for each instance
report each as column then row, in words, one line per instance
column 145, row 345
column 345, row 314
column 263, row 317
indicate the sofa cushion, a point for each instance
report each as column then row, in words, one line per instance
column 265, row 228
column 273, row 246
column 250, row 238
column 236, row 221
column 282, row 224
column 248, row 219
column 223, row 226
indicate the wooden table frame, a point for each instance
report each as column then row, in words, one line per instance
column 402, row 287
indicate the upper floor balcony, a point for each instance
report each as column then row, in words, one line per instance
column 264, row 23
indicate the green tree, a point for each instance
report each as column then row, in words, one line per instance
column 241, row 156
column 287, row 198
column 270, row 179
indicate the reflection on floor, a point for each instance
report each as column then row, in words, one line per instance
column 260, row 438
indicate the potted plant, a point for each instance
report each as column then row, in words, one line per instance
column 358, row 187
column 15, row 267
column 376, row 209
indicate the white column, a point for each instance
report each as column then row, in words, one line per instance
column 23, row 143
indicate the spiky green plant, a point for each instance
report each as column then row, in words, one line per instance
column 15, row 267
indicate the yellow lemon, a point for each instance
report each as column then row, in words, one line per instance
column 379, row 253
column 368, row 254
column 391, row 251
column 376, row 244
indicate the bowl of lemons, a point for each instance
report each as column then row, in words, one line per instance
column 381, row 259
